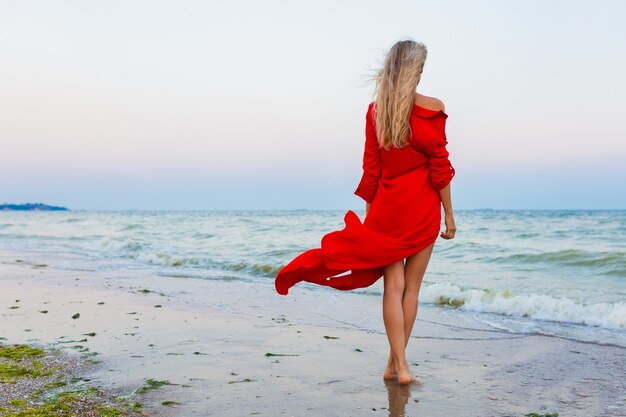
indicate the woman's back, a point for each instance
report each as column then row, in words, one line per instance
column 427, row 125
column 425, row 150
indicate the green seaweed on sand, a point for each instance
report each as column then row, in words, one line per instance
column 280, row 319
column 92, row 334
column 147, row 291
column 65, row 403
column 75, row 316
column 11, row 370
column 55, row 384
column 241, row 380
column 134, row 405
column 18, row 363
column 330, row 337
column 533, row 414
column 49, row 386
column 453, row 302
column 19, row 352
column 169, row 403
column 268, row 354
column 152, row 384
column 71, row 341
column 108, row 410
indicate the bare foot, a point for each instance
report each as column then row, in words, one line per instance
column 390, row 372
column 405, row 376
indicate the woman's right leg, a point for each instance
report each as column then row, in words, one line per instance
column 414, row 271
column 393, row 317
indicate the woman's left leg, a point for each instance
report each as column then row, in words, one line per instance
column 414, row 271
column 393, row 317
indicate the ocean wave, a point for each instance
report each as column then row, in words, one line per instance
column 613, row 263
column 166, row 259
column 120, row 245
column 266, row 270
column 134, row 226
column 162, row 258
column 533, row 306
column 199, row 235
column 144, row 252
column 73, row 220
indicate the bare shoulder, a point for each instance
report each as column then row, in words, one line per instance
column 432, row 103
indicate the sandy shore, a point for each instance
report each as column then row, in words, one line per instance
column 232, row 348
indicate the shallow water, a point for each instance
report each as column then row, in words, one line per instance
column 557, row 272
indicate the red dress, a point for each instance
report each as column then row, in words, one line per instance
column 405, row 215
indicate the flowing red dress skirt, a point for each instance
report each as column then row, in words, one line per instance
column 402, row 185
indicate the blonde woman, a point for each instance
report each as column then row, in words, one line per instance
column 406, row 180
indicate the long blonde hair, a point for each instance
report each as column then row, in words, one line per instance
column 396, row 82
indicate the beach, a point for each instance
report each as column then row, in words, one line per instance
column 230, row 348
column 166, row 164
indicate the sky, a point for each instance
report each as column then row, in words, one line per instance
column 212, row 105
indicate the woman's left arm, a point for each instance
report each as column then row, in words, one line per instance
column 368, row 184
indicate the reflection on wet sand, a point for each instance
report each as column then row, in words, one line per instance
column 398, row 398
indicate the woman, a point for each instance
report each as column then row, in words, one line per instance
column 406, row 179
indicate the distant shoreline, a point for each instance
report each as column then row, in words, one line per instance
column 45, row 207
column 30, row 207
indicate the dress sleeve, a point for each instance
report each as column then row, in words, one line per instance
column 371, row 161
column 440, row 169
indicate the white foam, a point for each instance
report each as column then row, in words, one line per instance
column 534, row 306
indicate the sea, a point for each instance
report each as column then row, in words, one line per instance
column 555, row 272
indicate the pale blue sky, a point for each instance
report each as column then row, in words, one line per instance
column 261, row 105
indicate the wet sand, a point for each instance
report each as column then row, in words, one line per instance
column 232, row 348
